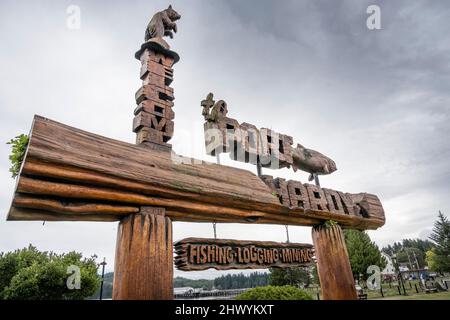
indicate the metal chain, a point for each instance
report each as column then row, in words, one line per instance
column 287, row 233
column 214, row 223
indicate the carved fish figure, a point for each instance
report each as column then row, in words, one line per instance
column 312, row 161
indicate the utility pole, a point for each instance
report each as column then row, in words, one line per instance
column 410, row 264
column 399, row 273
column 103, row 264
column 417, row 262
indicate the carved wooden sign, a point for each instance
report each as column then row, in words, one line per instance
column 307, row 196
column 246, row 143
column 100, row 179
column 69, row 174
column 223, row 254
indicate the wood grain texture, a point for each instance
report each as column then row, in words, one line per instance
column 333, row 265
column 193, row 254
column 63, row 163
column 64, row 207
column 143, row 267
column 24, row 214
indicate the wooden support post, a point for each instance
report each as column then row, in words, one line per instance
column 333, row 265
column 144, row 257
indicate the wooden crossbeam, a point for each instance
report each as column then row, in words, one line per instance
column 70, row 174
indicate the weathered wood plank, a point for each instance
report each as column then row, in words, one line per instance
column 70, row 191
column 28, row 185
column 65, row 207
column 24, row 214
column 61, row 144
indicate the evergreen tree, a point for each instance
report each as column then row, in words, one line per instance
column 440, row 260
column 410, row 251
column 205, row 284
column 441, row 234
column 289, row 276
column 362, row 252
column 240, row 281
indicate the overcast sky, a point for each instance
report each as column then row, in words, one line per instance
column 375, row 101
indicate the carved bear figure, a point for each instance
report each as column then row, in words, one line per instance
column 162, row 24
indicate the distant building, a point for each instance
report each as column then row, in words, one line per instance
column 183, row 290
column 389, row 269
column 403, row 268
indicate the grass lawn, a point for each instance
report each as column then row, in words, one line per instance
column 421, row 296
column 391, row 292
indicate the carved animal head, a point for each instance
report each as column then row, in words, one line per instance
column 331, row 167
column 172, row 14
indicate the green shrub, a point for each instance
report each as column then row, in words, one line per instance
column 18, row 148
column 29, row 274
column 274, row 293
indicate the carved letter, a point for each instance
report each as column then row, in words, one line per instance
column 250, row 146
column 317, row 198
column 334, row 201
column 279, row 187
column 298, row 195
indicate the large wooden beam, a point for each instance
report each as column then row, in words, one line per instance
column 109, row 178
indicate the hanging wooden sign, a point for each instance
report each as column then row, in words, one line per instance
column 194, row 254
